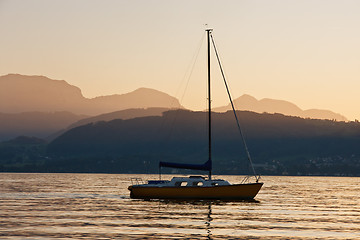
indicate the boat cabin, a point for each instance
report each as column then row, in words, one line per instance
column 192, row 181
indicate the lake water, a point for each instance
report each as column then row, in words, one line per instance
column 97, row 206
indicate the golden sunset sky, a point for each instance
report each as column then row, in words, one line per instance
column 303, row 51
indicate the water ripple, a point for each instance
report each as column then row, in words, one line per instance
column 97, row 206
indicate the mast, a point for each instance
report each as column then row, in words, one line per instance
column 208, row 31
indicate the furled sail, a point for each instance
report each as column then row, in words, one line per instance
column 207, row 166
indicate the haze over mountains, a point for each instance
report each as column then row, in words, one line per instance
column 19, row 93
column 122, row 114
column 37, row 124
column 133, row 131
column 247, row 102
column 40, row 106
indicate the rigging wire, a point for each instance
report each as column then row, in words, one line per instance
column 233, row 108
column 189, row 71
column 193, row 62
column 187, row 76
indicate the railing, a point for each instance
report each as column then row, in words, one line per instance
column 247, row 179
column 136, row 181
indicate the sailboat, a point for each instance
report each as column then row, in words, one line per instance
column 200, row 187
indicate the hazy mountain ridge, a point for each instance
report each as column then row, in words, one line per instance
column 39, row 106
column 20, row 93
column 123, row 114
column 37, row 124
column 249, row 103
column 23, row 97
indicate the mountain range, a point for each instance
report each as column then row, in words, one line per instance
column 280, row 144
column 39, row 106
column 249, row 103
column 131, row 132
column 20, row 93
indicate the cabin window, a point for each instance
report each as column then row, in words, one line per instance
column 180, row 184
column 197, row 183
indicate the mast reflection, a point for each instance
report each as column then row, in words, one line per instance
column 208, row 221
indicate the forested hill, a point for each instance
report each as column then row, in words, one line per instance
column 278, row 143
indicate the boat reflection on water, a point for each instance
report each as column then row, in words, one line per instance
column 208, row 217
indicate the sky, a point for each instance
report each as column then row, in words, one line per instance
column 306, row 52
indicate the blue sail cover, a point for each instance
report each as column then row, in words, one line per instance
column 207, row 166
